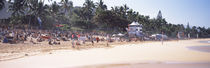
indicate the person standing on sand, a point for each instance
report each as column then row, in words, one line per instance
column 188, row 35
column 162, row 38
column 97, row 39
column 178, row 36
column 78, row 39
column 197, row 36
column 108, row 40
column 92, row 40
column 72, row 36
column 78, row 36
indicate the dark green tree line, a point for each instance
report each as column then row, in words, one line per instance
column 92, row 16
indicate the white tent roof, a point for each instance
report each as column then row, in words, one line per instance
column 134, row 23
column 120, row 34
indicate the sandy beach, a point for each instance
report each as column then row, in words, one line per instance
column 149, row 54
column 104, row 34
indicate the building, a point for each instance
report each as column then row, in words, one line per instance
column 135, row 30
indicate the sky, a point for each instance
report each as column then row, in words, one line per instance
column 196, row 12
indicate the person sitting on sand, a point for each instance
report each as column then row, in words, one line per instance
column 21, row 39
column 102, row 39
column 54, row 42
column 5, row 40
column 50, row 42
column 39, row 39
column 64, row 38
column 32, row 41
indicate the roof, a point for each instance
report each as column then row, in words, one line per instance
column 135, row 23
column 4, row 13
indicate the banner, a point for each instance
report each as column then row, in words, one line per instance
column 39, row 21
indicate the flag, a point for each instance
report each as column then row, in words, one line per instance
column 39, row 21
column 59, row 25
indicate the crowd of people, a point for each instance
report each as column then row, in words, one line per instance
column 53, row 37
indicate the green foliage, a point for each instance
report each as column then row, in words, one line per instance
column 92, row 17
column 109, row 19
column 2, row 4
column 17, row 7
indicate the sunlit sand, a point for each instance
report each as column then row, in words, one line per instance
column 149, row 53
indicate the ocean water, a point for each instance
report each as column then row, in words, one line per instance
column 205, row 42
column 205, row 48
column 200, row 48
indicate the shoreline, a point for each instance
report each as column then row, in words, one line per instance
column 149, row 65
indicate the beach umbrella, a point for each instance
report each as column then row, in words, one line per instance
column 114, row 35
column 120, row 34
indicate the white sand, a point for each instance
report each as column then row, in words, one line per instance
column 153, row 52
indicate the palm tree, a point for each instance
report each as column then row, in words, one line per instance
column 124, row 10
column 121, row 10
column 132, row 15
column 2, row 4
column 37, row 8
column 53, row 10
column 88, row 9
column 67, row 5
column 101, row 5
column 116, row 10
column 88, row 12
column 17, row 7
column 125, row 7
